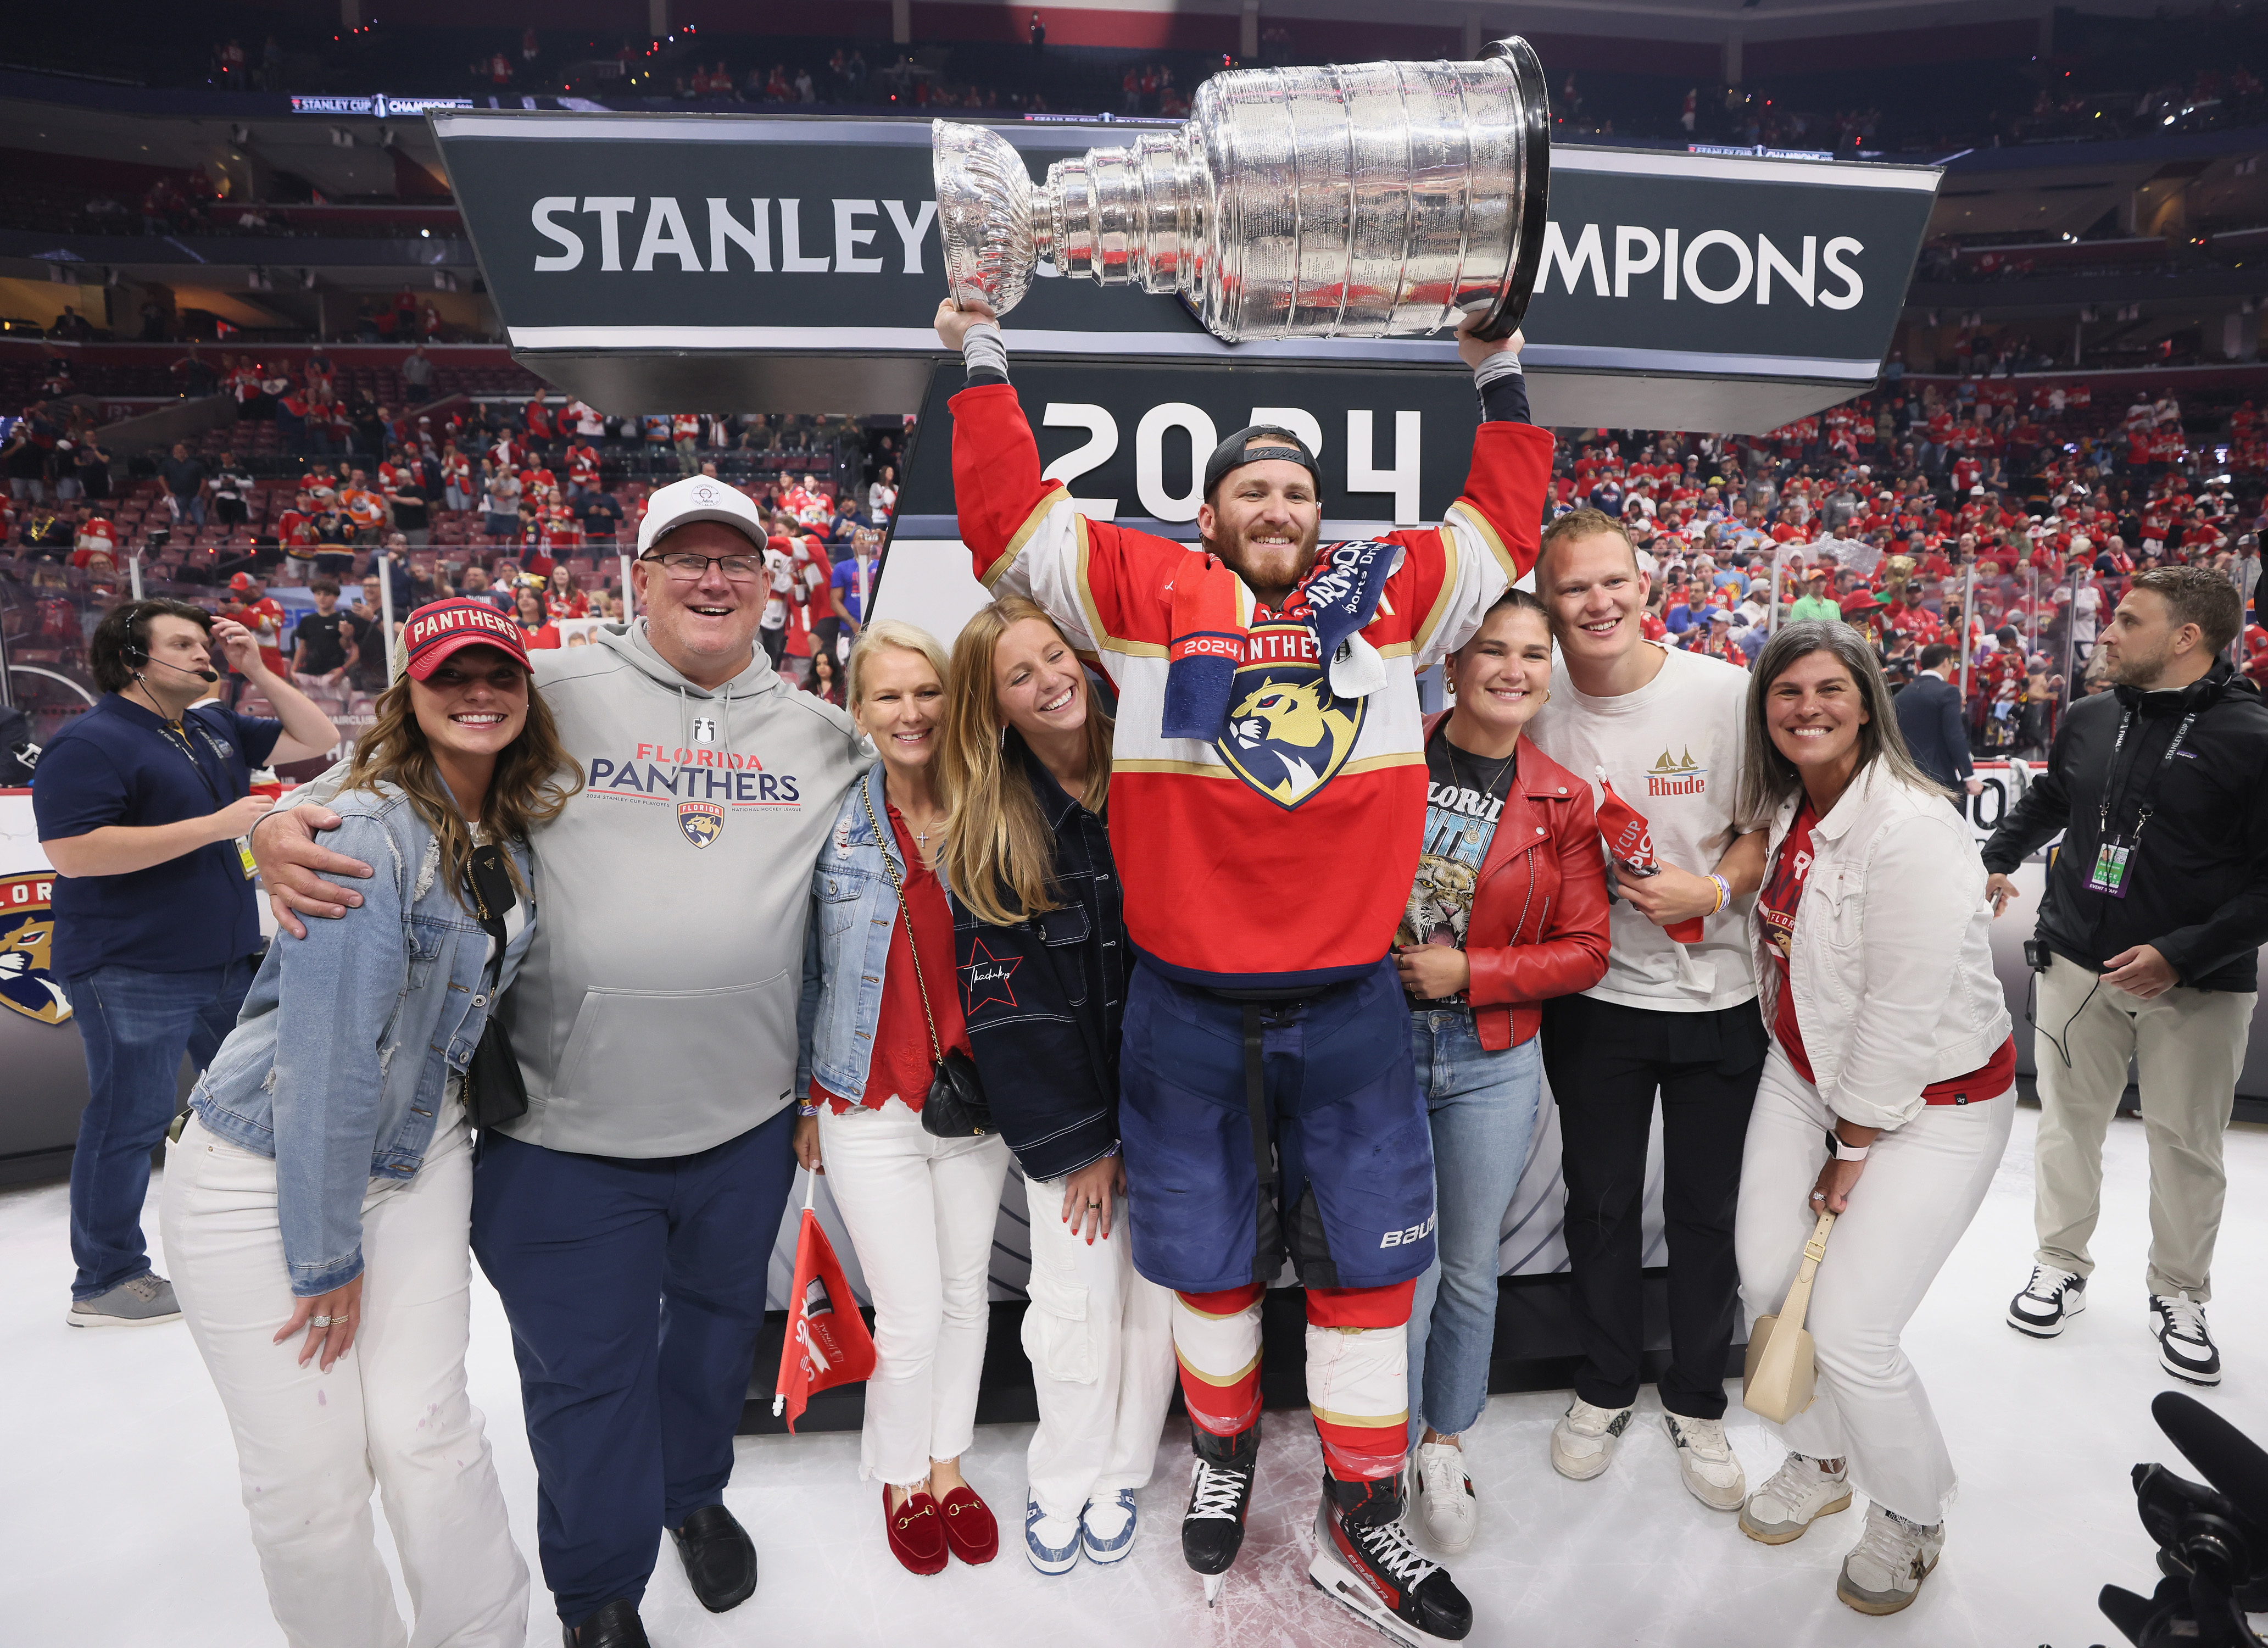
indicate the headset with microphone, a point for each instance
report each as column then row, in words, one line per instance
column 135, row 654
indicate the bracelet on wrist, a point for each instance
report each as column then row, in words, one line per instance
column 1723, row 892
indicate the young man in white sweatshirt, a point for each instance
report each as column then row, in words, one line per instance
column 1664, row 727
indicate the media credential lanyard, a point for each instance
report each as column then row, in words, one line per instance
column 2114, row 853
column 174, row 734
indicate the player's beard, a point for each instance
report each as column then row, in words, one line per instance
column 1267, row 566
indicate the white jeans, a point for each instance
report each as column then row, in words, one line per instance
column 1102, row 1344
column 392, row 1412
column 1922, row 1184
column 921, row 1212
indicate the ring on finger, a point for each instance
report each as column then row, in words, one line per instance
column 319, row 1321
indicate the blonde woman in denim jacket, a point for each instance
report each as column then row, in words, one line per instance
column 319, row 1192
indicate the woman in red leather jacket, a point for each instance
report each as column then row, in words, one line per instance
column 1509, row 907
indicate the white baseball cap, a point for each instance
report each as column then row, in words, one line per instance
column 700, row 498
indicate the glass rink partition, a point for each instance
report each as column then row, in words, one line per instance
column 657, row 263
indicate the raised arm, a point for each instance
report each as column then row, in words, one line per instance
column 1488, row 537
column 1023, row 535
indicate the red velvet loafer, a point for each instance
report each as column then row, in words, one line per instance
column 918, row 1537
column 969, row 1530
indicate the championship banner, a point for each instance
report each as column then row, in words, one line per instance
column 791, row 264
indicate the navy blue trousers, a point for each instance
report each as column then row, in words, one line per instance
column 1353, row 1203
column 634, row 1290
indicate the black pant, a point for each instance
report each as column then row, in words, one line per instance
column 1605, row 1063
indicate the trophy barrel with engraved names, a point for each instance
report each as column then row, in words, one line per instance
column 1372, row 200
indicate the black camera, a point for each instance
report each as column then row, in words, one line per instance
column 2213, row 1541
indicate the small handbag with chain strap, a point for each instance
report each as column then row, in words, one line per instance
column 956, row 1106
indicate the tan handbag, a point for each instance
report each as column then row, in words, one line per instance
column 1778, row 1372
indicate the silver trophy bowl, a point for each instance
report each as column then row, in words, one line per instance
column 1374, row 199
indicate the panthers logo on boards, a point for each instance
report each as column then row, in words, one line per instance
column 1287, row 735
column 27, row 945
column 702, row 822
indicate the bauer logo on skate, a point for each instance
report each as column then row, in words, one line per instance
column 1287, row 735
column 1415, row 1233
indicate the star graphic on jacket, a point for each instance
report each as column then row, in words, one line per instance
column 985, row 979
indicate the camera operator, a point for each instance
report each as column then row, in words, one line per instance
column 142, row 804
column 2147, row 945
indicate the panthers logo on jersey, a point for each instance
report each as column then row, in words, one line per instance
column 1287, row 735
column 27, row 942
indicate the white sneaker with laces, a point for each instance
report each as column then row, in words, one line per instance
column 1798, row 1495
column 1441, row 1492
column 1885, row 1569
column 2185, row 1348
column 2048, row 1303
column 1583, row 1441
column 1705, row 1461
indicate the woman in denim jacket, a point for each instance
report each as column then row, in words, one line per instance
column 330, row 1134
column 920, row 1208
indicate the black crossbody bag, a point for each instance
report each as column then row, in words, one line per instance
column 494, row 1089
column 956, row 1106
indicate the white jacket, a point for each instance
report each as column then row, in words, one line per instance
column 1890, row 960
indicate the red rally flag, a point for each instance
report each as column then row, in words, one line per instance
column 1629, row 839
column 827, row 1340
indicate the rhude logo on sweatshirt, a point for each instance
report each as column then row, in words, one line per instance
column 1676, row 775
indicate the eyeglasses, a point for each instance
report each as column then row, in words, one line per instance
column 685, row 565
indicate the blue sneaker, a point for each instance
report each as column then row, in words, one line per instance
column 1051, row 1542
column 1105, row 1528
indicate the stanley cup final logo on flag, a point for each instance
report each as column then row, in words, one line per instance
column 827, row 1343
column 702, row 822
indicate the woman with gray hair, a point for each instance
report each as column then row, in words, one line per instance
column 1890, row 1040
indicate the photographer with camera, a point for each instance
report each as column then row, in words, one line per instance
column 2148, row 946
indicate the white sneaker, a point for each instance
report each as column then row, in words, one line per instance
column 1441, row 1492
column 2048, row 1303
column 1798, row 1495
column 1705, row 1461
column 2185, row 1347
column 1583, row 1441
column 1884, row 1570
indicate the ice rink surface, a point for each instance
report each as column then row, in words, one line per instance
column 122, row 1524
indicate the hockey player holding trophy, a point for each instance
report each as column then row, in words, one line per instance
column 1269, row 774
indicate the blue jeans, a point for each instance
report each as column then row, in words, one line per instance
column 135, row 1025
column 1483, row 1107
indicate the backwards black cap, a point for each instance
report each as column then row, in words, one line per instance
column 1282, row 444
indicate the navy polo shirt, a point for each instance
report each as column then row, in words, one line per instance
column 117, row 765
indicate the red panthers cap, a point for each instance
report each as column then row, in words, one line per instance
column 436, row 630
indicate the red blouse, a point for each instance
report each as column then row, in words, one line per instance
column 1776, row 905
column 901, row 1065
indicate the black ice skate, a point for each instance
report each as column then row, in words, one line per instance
column 1220, row 1492
column 1364, row 1559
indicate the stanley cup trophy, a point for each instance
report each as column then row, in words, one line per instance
column 1375, row 200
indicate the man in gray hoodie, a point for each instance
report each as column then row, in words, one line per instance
column 656, row 1022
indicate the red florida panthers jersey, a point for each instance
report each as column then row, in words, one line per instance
column 1281, row 853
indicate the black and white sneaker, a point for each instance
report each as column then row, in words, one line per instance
column 1364, row 1559
column 2185, row 1348
column 2049, row 1301
column 1221, row 1493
